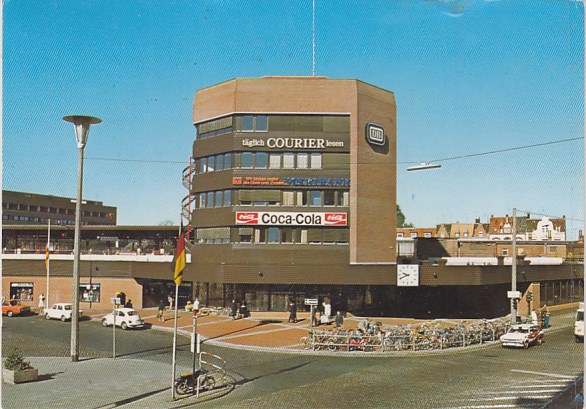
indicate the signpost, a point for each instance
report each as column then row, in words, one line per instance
column 311, row 302
column 115, row 301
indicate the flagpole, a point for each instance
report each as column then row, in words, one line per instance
column 48, row 261
column 175, row 342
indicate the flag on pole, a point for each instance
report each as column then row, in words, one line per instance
column 179, row 259
column 47, row 252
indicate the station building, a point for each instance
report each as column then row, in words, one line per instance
column 293, row 191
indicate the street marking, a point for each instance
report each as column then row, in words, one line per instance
column 549, row 385
column 553, row 375
column 485, row 406
column 521, row 392
column 513, row 397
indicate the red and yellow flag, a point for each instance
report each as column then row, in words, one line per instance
column 179, row 259
column 47, row 252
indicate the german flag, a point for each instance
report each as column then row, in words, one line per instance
column 179, row 259
column 47, row 252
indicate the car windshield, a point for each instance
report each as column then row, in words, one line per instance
column 67, row 307
column 131, row 313
column 14, row 302
column 521, row 330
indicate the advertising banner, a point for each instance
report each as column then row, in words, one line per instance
column 292, row 218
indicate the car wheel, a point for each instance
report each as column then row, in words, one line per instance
column 9, row 313
column 104, row 322
column 124, row 326
column 539, row 341
column 47, row 317
column 526, row 344
column 63, row 318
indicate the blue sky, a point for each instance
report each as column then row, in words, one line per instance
column 468, row 76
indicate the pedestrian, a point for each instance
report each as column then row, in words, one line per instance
column 339, row 319
column 233, row 309
column 534, row 320
column 243, row 310
column 170, row 300
column 196, row 305
column 161, row 311
column 42, row 300
column 314, row 321
column 292, row 311
column 547, row 314
column 128, row 304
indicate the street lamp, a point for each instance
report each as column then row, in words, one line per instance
column 81, row 125
column 424, row 166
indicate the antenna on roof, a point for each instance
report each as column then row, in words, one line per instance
column 313, row 39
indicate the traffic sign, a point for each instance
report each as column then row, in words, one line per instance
column 513, row 294
column 310, row 301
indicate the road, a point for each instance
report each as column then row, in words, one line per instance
column 485, row 377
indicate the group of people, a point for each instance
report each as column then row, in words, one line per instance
column 541, row 316
column 238, row 310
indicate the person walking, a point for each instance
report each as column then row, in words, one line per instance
column 42, row 300
column 196, row 305
column 292, row 311
column 339, row 319
column 161, row 311
column 547, row 315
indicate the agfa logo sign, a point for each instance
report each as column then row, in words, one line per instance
column 375, row 134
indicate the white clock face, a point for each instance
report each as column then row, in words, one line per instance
column 407, row 275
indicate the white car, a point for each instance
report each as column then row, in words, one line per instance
column 522, row 335
column 60, row 311
column 125, row 318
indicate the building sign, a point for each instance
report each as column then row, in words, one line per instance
column 292, row 143
column 292, row 218
column 289, row 181
column 375, row 134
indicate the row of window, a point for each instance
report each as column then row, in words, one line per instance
column 41, row 220
column 278, row 123
column 260, row 160
column 54, row 210
column 24, row 292
column 298, row 198
column 272, row 235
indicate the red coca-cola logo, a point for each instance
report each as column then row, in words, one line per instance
column 336, row 219
column 247, row 217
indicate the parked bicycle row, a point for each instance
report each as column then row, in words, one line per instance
column 438, row 334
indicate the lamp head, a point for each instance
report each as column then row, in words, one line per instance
column 82, row 124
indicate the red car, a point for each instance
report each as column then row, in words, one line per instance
column 14, row 307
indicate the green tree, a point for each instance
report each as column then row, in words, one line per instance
column 401, row 218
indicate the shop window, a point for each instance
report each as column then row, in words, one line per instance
column 89, row 292
column 246, row 160
column 261, row 160
column 22, row 291
column 315, row 198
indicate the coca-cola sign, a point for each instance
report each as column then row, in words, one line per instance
column 292, row 218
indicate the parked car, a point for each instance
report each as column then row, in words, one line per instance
column 522, row 335
column 60, row 311
column 14, row 307
column 125, row 318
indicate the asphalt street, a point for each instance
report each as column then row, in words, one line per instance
column 476, row 377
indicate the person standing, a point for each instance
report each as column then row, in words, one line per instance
column 161, row 311
column 42, row 300
column 339, row 319
column 292, row 311
column 233, row 309
column 170, row 300
column 196, row 305
column 547, row 314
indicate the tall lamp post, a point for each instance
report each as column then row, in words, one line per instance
column 81, row 125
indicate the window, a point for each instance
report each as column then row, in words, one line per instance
column 220, row 162
column 228, row 161
column 247, row 123
column 210, row 200
column 315, row 161
column 413, row 234
column 246, row 160
column 329, row 197
column 227, row 198
column 288, row 199
column 343, row 198
column 273, row 235
column 302, row 161
column 288, row 160
column 260, row 235
column 505, row 252
column 21, row 291
column 301, row 199
column 261, row 160
column 303, row 238
column 262, row 123
column 400, row 235
column 315, row 198
column 89, row 292
column 275, row 161
column 202, row 200
column 427, row 235
column 203, row 165
column 211, row 164
column 219, row 201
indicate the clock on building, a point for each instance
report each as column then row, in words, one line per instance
column 407, row 275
